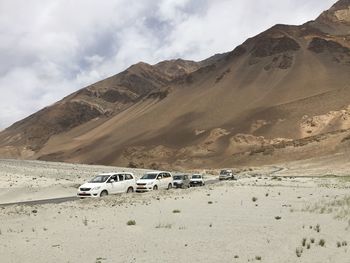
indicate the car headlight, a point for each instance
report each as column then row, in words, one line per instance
column 96, row 188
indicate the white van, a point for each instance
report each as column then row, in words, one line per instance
column 108, row 183
column 154, row 181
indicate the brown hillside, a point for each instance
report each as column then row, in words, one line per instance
column 282, row 95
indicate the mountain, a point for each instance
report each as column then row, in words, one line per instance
column 281, row 95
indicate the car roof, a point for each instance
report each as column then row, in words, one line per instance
column 157, row 172
column 115, row 173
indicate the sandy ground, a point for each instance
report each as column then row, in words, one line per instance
column 259, row 218
column 34, row 180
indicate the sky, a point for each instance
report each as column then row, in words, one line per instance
column 51, row 48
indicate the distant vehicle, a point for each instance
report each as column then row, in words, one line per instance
column 181, row 181
column 226, row 174
column 108, row 183
column 154, row 181
column 197, row 180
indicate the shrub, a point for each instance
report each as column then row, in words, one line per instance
column 303, row 242
column 298, row 252
column 322, row 242
column 131, row 223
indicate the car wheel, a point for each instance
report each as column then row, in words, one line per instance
column 170, row 186
column 130, row 190
column 155, row 188
column 103, row 193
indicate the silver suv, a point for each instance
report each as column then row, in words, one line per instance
column 181, row 181
column 226, row 174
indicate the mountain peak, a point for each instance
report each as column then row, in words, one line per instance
column 339, row 13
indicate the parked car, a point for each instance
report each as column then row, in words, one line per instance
column 226, row 174
column 108, row 183
column 154, row 181
column 197, row 180
column 181, row 181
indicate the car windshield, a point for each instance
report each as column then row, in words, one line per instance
column 178, row 177
column 99, row 179
column 196, row 176
column 150, row 176
column 224, row 172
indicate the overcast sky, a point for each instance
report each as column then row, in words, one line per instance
column 51, row 48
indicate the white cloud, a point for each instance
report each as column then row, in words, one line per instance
column 51, row 48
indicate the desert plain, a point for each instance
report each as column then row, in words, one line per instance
column 292, row 212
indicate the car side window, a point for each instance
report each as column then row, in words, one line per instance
column 160, row 176
column 166, row 175
column 113, row 177
column 128, row 177
column 121, row 177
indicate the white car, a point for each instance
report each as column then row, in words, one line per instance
column 108, row 183
column 226, row 174
column 154, row 181
column 197, row 180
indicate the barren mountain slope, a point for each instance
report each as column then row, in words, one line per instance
column 288, row 83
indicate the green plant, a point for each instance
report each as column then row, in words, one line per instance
column 210, row 202
column 312, row 240
column 176, row 211
column 131, row 223
column 85, row 221
column 338, row 244
column 303, row 242
column 298, row 252
column 278, row 217
column 317, row 228
column 257, row 257
column 254, row 199
column 322, row 242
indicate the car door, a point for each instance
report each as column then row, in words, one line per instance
column 129, row 182
column 160, row 179
column 167, row 179
column 111, row 184
column 121, row 188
